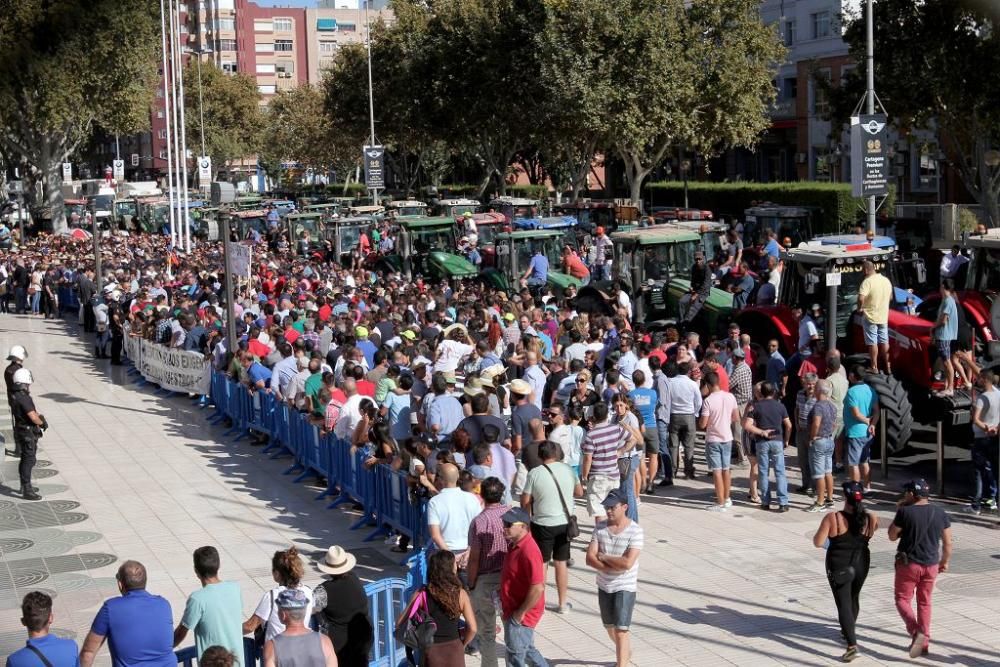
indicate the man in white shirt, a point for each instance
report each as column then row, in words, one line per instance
column 807, row 332
column 350, row 414
column 685, row 405
column 450, row 513
column 952, row 262
column 535, row 376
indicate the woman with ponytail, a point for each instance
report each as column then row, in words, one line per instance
column 845, row 536
column 287, row 570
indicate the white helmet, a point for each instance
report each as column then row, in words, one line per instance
column 17, row 352
column 22, row 376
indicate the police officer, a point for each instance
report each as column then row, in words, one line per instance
column 16, row 357
column 116, row 319
column 28, row 427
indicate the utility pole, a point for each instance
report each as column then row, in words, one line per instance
column 167, row 89
column 230, row 301
column 184, row 231
column 870, row 93
column 371, row 96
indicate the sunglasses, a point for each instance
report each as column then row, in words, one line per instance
column 581, row 381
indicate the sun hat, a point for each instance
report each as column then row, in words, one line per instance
column 337, row 561
column 520, row 387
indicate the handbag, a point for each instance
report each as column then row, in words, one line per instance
column 418, row 630
column 572, row 527
column 260, row 633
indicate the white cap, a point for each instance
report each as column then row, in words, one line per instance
column 22, row 376
column 17, row 352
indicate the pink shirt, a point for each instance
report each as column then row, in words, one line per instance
column 718, row 407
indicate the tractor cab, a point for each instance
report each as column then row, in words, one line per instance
column 712, row 233
column 243, row 222
column 344, row 235
column 304, row 227
column 454, row 208
column 406, row 208
column 205, row 223
column 514, row 252
column 568, row 225
column 907, row 271
column 655, row 265
column 791, row 224
column 515, row 208
column 488, row 225
column 125, row 213
column 428, row 246
column 248, row 203
column 590, row 215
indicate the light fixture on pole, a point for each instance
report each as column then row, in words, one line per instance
column 167, row 90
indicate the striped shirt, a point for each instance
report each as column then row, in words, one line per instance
column 486, row 532
column 602, row 443
column 616, row 545
column 803, row 406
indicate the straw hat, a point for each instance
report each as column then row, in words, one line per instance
column 337, row 561
column 520, row 387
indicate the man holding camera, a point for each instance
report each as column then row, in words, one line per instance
column 924, row 534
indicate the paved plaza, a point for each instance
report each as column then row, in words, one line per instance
column 129, row 475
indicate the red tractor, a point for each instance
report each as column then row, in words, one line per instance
column 832, row 275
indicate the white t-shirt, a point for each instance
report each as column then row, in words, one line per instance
column 267, row 610
column 569, row 438
column 452, row 510
column 449, row 353
column 807, row 329
column 350, row 416
column 630, row 537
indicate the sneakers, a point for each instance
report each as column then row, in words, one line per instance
column 972, row 509
column 917, row 645
column 783, row 509
column 829, row 505
column 472, row 651
column 562, row 610
column 850, row 654
column 716, row 508
column 990, row 505
column 729, row 502
column 815, row 507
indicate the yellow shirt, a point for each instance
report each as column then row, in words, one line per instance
column 875, row 295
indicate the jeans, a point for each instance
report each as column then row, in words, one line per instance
column 20, row 300
column 920, row 578
column 666, row 463
column 802, row 452
column 520, row 641
column 682, row 432
column 486, row 616
column 601, row 272
column 36, row 303
column 771, row 454
column 983, row 474
column 627, row 485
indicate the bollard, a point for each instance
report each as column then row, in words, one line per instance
column 885, row 448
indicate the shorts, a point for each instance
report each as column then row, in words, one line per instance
column 876, row 334
column 552, row 542
column 598, row 488
column 943, row 348
column 821, row 457
column 651, row 441
column 616, row 608
column 718, row 455
column 859, row 450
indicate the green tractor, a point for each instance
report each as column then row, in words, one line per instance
column 654, row 264
column 426, row 246
column 513, row 256
column 304, row 226
column 344, row 235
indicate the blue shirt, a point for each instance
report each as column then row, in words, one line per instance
column 258, row 372
column 399, row 414
column 949, row 330
column 645, row 401
column 773, row 249
column 539, row 267
column 862, row 397
column 368, row 349
column 445, row 412
column 139, row 628
column 58, row 651
column 775, row 368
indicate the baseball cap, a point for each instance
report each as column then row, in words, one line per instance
column 614, row 498
column 361, row 332
column 292, row 598
column 515, row 515
column 408, row 334
column 854, row 491
column 918, row 487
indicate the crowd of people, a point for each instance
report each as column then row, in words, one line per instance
column 503, row 409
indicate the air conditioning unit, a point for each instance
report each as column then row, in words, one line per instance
column 222, row 193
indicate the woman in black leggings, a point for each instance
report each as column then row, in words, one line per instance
column 845, row 535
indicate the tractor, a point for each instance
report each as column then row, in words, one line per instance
column 814, row 271
column 426, row 246
column 304, row 226
column 455, row 208
column 514, row 251
column 488, row 225
column 406, row 208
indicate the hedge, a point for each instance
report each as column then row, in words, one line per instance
column 836, row 209
column 454, row 191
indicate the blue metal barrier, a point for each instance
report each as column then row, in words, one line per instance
column 386, row 600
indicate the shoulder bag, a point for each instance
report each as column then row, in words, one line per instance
column 40, row 656
column 260, row 634
column 418, row 629
column 572, row 527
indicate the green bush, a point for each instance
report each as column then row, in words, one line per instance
column 353, row 190
column 836, row 210
column 528, row 191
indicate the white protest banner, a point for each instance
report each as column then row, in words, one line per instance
column 133, row 347
column 239, row 259
column 175, row 370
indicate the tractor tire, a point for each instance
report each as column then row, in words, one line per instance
column 895, row 403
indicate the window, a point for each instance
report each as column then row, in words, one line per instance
column 265, row 68
column 821, row 99
column 326, row 25
column 225, row 4
column 159, row 114
column 228, row 67
column 225, row 24
column 286, row 68
column 284, row 25
column 282, row 45
column 163, row 154
column 159, row 92
column 926, row 175
column 162, row 134
column 820, row 25
column 790, row 88
column 263, row 26
column 789, row 32
column 347, row 27
column 267, row 89
column 263, row 47
column 328, row 47
column 225, row 45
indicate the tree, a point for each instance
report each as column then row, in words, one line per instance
column 231, row 108
column 937, row 65
column 69, row 67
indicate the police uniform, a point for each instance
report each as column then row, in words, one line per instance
column 26, row 435
column 8, row 378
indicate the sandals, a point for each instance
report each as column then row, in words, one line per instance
column 755, row 500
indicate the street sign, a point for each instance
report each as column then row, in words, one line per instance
column 67, row 172
column 374, row 161
column 239, row 258
column 135, row 159
column 204, row 169
column 119, row 169
column 869, row 160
